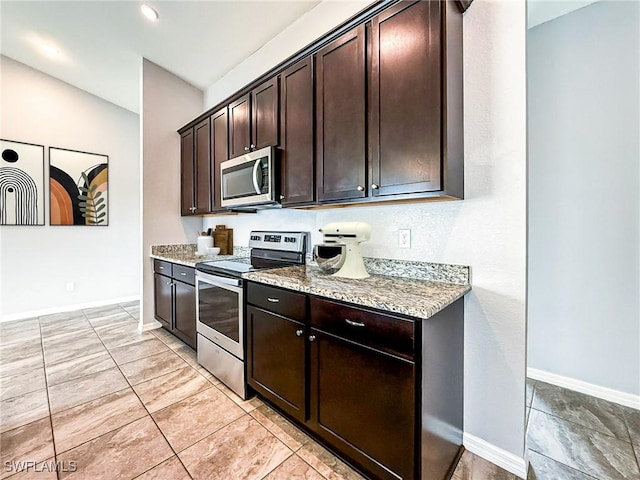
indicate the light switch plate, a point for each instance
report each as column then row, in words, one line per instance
column 404, row 238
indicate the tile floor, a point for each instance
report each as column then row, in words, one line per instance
column 572, row 436
column 86, row 391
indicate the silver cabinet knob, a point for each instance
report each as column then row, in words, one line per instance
column 281, row 197
column 169, row 283
column 299, row 332
column 252, row 146
column 246, row 149
column 193, row 209
column 374, row 186
column 360, row 188
column 312, row 338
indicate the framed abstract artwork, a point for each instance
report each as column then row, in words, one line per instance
column 78, row 188
column 21, row 183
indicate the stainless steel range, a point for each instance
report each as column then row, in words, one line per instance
column 220, row 302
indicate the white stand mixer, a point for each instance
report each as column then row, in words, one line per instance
column 341, row 248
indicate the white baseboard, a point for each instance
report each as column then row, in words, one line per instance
column 67, row 308
column 616, row 396
column 496, row 455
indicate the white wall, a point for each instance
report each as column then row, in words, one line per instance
column 487, row 230
column 168, row 103
column 584, row 206
column 103, row 262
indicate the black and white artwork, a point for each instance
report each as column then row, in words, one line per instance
column 21, row 183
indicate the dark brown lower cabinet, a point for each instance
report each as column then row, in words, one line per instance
column 363, row 403
column 184, row 321
column 384, row 392
column 278, row 373
column 175, row 300
column 163, row 299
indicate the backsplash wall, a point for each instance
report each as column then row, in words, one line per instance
column 430, row 234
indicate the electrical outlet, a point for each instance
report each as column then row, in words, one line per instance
column 70, row 287
column 404, row 238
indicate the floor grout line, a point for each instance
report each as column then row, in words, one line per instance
column 564, row 464
column 581, row 426
column 46, row 384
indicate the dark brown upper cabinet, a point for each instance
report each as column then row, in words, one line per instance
column 371, row 112
column 405, row 100
column 195, row 158
column 202, row 163
column 240, row 126
column 264, row 114
column 219, row 153
column 253, row 119
column 341, row 153
column 296, row 134
column 187, row 185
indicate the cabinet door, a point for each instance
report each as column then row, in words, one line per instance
column 264, row 113
column 184, row 326
column 219, row 153
column 203, row 167
column 239, row 127
column 187, row 185
column 162, row 299
column 363, row 402
column 405, row 99
column 341, row 118
column 276, row 360
column 296, row 134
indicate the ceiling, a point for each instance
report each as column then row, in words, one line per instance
column 541, row 11
column 100, row 43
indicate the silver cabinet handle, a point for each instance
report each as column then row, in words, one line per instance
column 273, row 300
column 299, row 332
column 360, row 188
column 312, row 338
column 183, row 274
column 374, row 186
column 354, row 324
column 161, row 268
column 246, row 149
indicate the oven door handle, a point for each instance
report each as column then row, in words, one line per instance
column 256, row 166
column 219, row 281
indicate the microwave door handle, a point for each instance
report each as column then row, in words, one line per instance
column 256, row 166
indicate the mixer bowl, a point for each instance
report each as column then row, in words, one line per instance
column 330, row 256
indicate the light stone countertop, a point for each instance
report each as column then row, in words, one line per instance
column 186, row 254
column 413, row 297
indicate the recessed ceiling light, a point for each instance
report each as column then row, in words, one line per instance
column 51, row 50
column 149, row 12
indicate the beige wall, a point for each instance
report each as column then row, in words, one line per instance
column 167, row 104
column 36, row 262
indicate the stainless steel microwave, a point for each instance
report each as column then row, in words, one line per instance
column 249, row 179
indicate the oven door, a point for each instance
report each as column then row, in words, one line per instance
column 219, row 315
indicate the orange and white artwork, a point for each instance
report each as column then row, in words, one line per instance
column 78, row 188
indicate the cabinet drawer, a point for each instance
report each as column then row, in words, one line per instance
column 162, row 267
column 184, row 274
column 382, row 332
column 276, row 300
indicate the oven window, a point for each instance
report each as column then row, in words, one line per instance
column 219, row 310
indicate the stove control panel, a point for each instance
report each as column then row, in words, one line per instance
column 288, row 241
